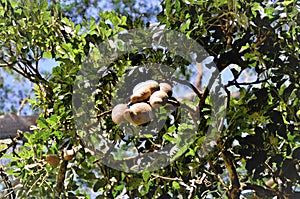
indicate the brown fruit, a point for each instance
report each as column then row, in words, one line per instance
column 143, row 90
column 158, row 98
column 69, row 154
column 140, row 95
column 151, row 84
column 118, row 112
column 139, row 113
column 167, row 88
column 52, row 159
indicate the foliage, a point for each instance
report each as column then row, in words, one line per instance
column 261, row 133
column 260, row 138
column 79, row 10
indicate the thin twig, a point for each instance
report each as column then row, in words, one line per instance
column 211, row 164
column 13, row 143
column 8, row 184
column 103, row 114
column 23, row 103
column 235, row 83
column 180, row 181
column 185, row 82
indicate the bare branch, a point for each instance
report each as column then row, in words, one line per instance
column 60, row 178
column 23, row 103
column 13, row 143
column 199, row 75
column 8, row 184
column 234, row 191
column 235, row 83
column 260, row 191
column 11, row 123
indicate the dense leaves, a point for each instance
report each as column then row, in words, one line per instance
column 257, row 154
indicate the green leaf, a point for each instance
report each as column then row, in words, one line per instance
column 13, row 3
column 171, row 129
column 47, row 55
column 41, row 122
column 168, row 6
column 146, row 175
column 288, row 2
column 52, row 120
column 134, row 183
column 175, row 185
column 119, row 187
column 190, row 153
column 177, row 5
column 145, row 189
column 168, row 137
column 99, row 184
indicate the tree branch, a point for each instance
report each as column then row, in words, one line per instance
column 60, row 178
column 11, row 123
column 8, row 184
column 23, row 103
column 13, row 143
column 199, row 75
column 235, row 83
column 260, row 191
column 234, row 192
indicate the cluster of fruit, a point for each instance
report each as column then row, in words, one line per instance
column 146, row 96
column 68, row 154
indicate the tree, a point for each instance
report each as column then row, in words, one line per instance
column 80, row 10
column 257, row 152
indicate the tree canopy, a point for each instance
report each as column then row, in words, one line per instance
column 253, row 44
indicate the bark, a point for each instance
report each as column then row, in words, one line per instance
column 199, row 76
column 10, row 123
column 234, row 191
